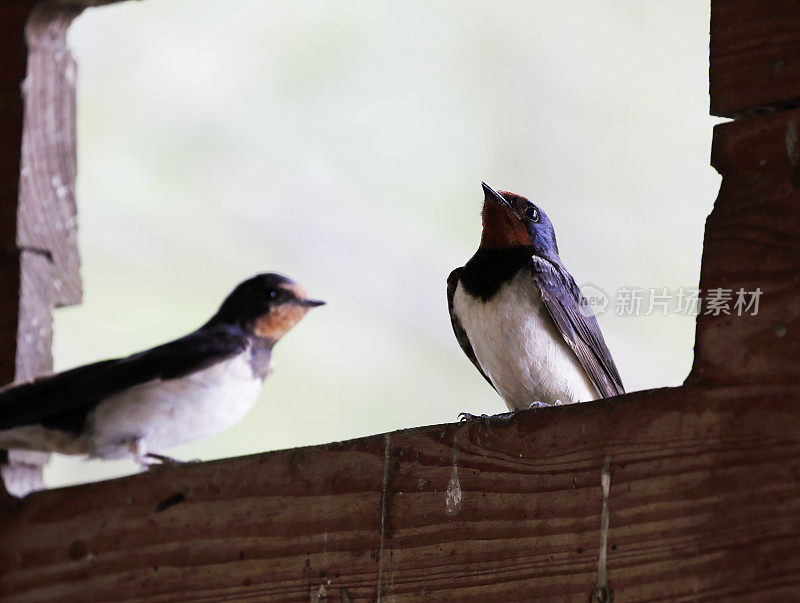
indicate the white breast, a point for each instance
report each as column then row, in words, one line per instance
column 519, row 346
column 172, row 412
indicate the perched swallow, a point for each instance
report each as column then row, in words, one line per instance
column 180, row 391
column 516, row 313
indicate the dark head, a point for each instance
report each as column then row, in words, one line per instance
column 267, row 305
column 511, row 221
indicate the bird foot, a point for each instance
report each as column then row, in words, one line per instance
column 503, row 416
column 537, row 404
column 151, row 460
column 465, row 416
column 161, row 459
column 138, row 450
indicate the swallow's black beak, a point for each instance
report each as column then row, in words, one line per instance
column 489, row 194
column 311, row 303
column 502, row 227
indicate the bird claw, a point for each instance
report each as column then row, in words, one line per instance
column 162, row 460
column 537, row 404
column 503, row 416
column 465, row 416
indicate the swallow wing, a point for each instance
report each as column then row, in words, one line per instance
column 64, row 399
column 562, row 298
column 458, row 329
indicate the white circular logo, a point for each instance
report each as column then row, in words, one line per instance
column 594, row 300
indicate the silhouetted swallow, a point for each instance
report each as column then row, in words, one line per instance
column 180, row 391
column 516, row 312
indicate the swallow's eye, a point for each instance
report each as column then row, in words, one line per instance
column 272, row 293
column 532, row 214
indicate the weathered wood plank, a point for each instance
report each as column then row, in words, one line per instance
column 704, row 501
column 37, row 177
column 755, row 47
column 13, row 16
column 753, row 242
column 47, row 221
column 40, row 264
column 35, row 332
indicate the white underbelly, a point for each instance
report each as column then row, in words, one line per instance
column 520, row 348
column 167, row 413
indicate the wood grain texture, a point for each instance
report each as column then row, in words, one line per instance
column 22, row 470
column 47, row 213
column 704, row 502
column 37, row 180
column 35, row 320
column 19, row 470
column 39, row 260
column 755, row 46
column 13, row 16
column 753, row 242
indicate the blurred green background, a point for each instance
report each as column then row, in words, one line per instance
column 343, row 144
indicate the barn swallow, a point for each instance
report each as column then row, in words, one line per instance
column 517, row 313
column 177, row 392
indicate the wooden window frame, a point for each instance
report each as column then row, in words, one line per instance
column 677, row 493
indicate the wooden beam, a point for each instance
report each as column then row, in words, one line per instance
column 13, row 16
column 753, row 244
column 702, row 500
column 46, row 213
column 39, row 255
column 754, row 50
column 752, row 237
